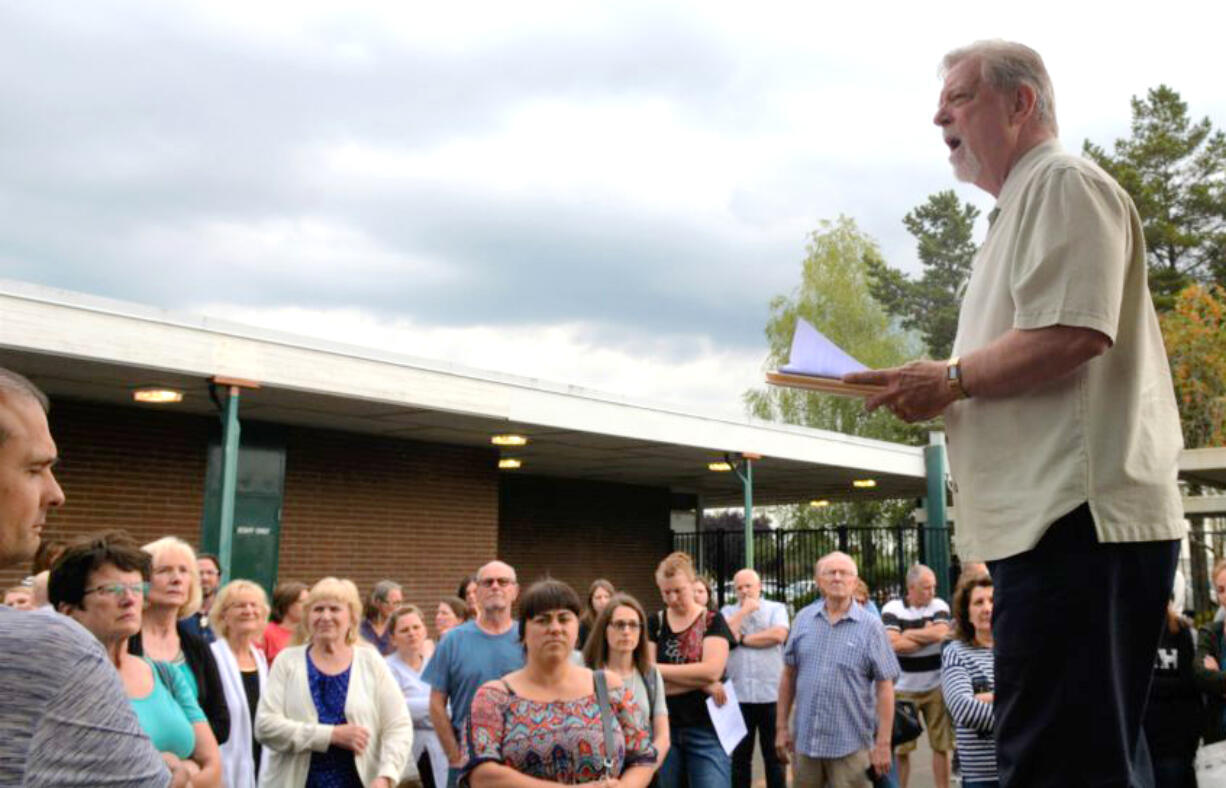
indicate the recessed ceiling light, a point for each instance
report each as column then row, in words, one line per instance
column 509, row 463
column 864, row 483
column 157, row 396
column 719, row 467
column 819, row 504
column 509, row 440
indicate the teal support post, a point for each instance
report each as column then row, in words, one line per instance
column 748, row 483
column 936, row 532
column 744, row 472
column 230, row 432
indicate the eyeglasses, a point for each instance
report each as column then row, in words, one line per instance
column 120, row 590
column 490, row 582
column 625, row 626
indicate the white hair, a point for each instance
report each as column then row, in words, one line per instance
column 1006, row 65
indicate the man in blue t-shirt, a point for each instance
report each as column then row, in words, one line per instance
column 472, row 654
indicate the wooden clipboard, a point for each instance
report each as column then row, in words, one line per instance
column 824, row 385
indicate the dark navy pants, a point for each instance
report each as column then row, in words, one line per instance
column 1076, row 625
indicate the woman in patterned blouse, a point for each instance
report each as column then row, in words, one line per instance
column 543, row 721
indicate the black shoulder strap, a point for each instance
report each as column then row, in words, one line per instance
column 606, row 721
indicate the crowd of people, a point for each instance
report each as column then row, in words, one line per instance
column 1064, row 440
column 321, row 688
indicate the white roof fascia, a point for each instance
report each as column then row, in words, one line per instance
column 62, row 323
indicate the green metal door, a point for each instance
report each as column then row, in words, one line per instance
column 257, row 510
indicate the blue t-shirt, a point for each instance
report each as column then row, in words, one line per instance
column 167, row 717
column 465, row 659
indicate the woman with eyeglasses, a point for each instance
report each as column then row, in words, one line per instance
column 165, row 636
column 239, row 615
column 385, row 597
column 618, row 643
column 101, row 583
column 544, row 723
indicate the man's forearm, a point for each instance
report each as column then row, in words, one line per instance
column 766, row 638
column 787, row 693
column 442, row 725
column 933, row 633
column 1022, row 359
column 885, row 711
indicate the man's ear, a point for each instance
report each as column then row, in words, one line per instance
column 1025, row 104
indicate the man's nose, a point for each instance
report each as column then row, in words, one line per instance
column 942, row 117
column 55, row 493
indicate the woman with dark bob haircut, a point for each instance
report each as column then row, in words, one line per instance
column 544, row 720
column 101, row 581
column 968, row 682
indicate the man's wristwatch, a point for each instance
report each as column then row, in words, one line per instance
column 953, row 377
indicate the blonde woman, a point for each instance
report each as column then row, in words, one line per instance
column 407, row 662
column 238, row 616
column 332, row 713
column 689, row 645
column 175, row 594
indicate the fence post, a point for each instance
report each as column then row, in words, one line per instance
column 720, row 569
column 779, row 585
column 842, row 529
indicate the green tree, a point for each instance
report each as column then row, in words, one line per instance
column 943, row 229
column 1175, row 170
column 834, row 296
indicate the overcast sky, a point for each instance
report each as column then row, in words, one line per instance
column 599, row 194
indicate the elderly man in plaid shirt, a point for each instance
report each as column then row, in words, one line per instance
column 839, row 670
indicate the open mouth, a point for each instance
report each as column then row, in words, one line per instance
column 954, row 143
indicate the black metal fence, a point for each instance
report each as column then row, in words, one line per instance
column 784, row 558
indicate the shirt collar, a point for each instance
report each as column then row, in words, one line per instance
column 856, row 612
column 1016, row 180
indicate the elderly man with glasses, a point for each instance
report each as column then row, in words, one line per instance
column 839, row 671
column 472, row 654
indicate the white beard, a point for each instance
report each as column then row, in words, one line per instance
column 967, row 165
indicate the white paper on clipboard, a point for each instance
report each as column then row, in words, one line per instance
column 727, row 719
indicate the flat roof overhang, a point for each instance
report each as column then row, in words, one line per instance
column 99, row 350
column 1205, row 466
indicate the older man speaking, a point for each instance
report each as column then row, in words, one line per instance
column 1063, row 430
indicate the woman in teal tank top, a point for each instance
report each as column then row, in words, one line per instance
column 168, row 713
column 101, row 583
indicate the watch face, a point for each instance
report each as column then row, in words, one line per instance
column 951, row 373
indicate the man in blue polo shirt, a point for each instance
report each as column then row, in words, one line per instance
column 472, row 654
column 839, row 670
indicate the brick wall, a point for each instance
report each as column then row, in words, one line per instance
column 578, row 531
column 360, row 506
column 369, row 508
column 356, row 506
column 133, row 468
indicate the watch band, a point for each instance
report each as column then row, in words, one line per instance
column 953, row 377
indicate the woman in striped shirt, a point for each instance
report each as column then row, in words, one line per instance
column 968, row 684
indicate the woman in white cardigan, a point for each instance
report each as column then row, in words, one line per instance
column 238, row 616
column 332, row 709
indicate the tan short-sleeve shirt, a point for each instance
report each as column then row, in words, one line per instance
column 1065, row 247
